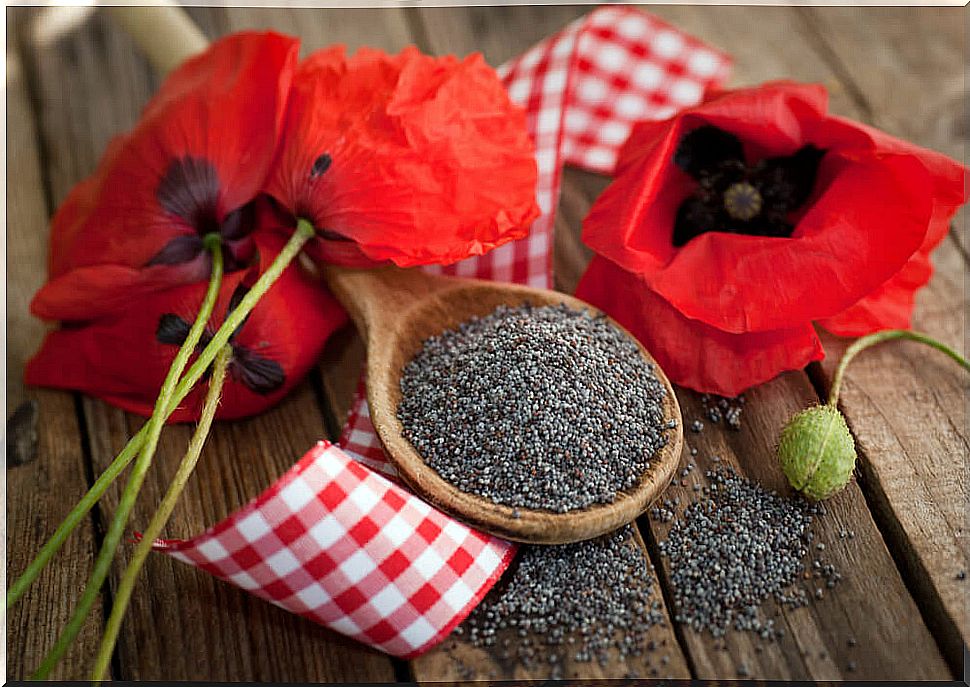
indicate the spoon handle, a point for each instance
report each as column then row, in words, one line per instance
column 377, row 298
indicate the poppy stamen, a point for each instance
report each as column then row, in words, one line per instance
column 742, row 201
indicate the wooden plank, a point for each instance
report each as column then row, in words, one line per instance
column 40, row 492
column 183, row 624
column 501, row 33
column 906, row 406
column 872, row 600
column 386, row 28
column 906, row 67
column 911, row 425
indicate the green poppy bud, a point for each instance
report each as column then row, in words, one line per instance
column 817, row 452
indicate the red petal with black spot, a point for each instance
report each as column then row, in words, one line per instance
column 193, row 164
column 124, row 357
column 691, row 353
column 874, row 200
column 407, row 158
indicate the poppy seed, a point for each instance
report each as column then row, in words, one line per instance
column 535, row 407
column 588, row 601
column 733, row 550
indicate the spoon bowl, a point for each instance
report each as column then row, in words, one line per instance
column 396, row 310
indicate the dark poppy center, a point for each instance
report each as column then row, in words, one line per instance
column 189, row 190
column 259, row 374
column 736, row 197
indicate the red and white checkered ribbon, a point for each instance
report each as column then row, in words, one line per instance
column 337, row 539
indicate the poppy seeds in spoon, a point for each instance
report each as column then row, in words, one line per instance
column 535, row 407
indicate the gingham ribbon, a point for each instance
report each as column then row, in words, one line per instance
column 336, row 539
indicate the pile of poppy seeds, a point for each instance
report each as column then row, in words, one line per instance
column 736, row 546
column 539, row 407
column 582, row 602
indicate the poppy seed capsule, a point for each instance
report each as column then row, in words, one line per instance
column 817, row 452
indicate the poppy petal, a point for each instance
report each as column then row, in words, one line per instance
column 691, row 353
column 258, row 374
column 90, row 292
column 200, row 151
column 890, row 306
column 427, row 159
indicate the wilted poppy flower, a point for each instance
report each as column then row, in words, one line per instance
column 124, row 356
column 732, row 227
column 407, row 158
column 193, row 165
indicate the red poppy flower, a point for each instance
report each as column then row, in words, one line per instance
column 195, row 161
column 123, row 357
column 406, row 157
column 734, row 225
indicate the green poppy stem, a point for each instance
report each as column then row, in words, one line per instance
column 865, row 342
column 123, row 595
column 214, row 245
column 304, row 232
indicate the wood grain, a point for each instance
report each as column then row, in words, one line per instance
column 499, row 33
column 182, row 623
column 40, row 493
column 905, row 68
column 906, row 404
column 870, row 604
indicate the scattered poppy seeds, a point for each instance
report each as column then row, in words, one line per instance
column 582, row 602
column 535, row 407
column 735, row 547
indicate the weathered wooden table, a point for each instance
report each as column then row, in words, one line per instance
column 70, row 88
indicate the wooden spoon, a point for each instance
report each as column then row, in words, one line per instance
column 395, row 310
